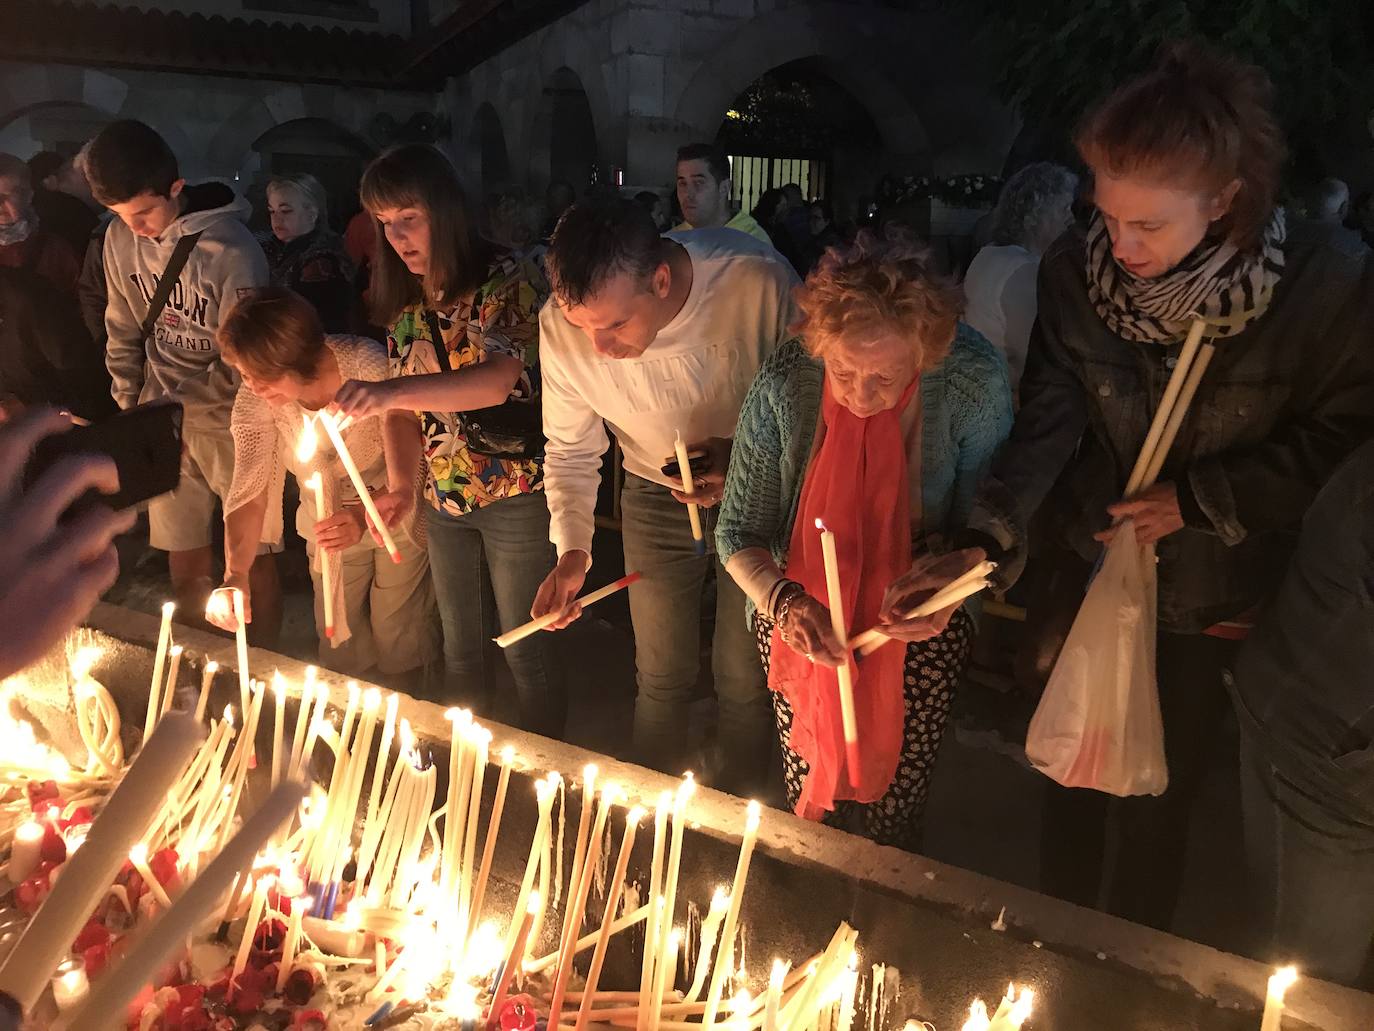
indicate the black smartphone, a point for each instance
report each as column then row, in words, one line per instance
column 144, row 443
column 698, row 461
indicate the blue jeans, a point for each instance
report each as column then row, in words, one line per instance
column 1308, row 801
column 487, row 566
column 665, row 608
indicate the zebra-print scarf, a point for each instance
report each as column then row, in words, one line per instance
column 1226, row 287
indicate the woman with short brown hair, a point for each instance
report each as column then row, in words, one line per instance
column 879, row 420
column 1185, row 162
column 383, row 609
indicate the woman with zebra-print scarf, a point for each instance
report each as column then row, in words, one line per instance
column 1185, row 164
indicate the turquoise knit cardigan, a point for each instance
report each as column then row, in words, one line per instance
column 966, row 414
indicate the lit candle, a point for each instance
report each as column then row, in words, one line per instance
column 278, row 728
column 584, row 823
column 138, row 855
column 684, row 794
column 26, row 850
column 514, row 956
column 241, row 648
column 316, row 484
column 525, row 630
column 689, row 487
column 577, row 905
column 87, row 875
column 70, row 985
column 164, row 637
column 774, row 998
column 207, row 677
column 459, row 774
column 725, row 954
column 493, row 829
column 331, row 427
column 710, row 930
column 651, row 929
column 666, row 975
column 293, row 939
column 314, row 725
column 1282, row 980
column 545, row 790
column 173, row 668
column 613, row 895
column 842, row 673
column 293, row 761
column 250, row 929
column 481, row 741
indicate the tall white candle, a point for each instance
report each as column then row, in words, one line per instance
column 843, row 673
column 138, row 856
column 173, row 669
column 726, row 952
column 331, row 427
column 1283, row 979
column 293, row 939
column 684, row 794
column 250, row 929
column 316, row 484
column 651, row 929
column 480, row 742
column 241, row 648
column 493, row 829
column 278, row 728
column 689, row 487
column 164, row 637
column 666, row 974
column 207, row 677
column 773, row 1000
column 613, row 895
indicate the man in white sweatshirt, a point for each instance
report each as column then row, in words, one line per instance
column 659, row 336
column 134, row 173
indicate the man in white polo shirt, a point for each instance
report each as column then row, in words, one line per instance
column 658, row 336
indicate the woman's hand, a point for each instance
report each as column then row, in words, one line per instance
column 928, row 574
column 357, row 399
column 220, row 609
column 807, row 629
column 393, row 506
column 1154, row 511
column 342, row 530
column 709, row 481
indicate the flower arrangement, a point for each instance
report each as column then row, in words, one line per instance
column 972, row 190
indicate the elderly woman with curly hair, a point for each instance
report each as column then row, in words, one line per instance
column 879, row 420
column 1035, row 208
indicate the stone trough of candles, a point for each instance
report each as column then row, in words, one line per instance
column 368, row 906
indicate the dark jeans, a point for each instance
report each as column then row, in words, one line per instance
column 665, row 608
column 1309, row 841
column 1127, row 854
column 487, row 566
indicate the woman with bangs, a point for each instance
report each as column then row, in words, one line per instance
column 1185, row 164
column 879, row 420
column 464, row 352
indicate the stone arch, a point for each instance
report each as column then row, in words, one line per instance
column 486, row 157
column 779, row 38
column 563, row 141
column 231, row 149
column 333, row 155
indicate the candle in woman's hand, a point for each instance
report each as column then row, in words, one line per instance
column 843, row 674
column 689, row 487
column 315, row 484
column 331, row 428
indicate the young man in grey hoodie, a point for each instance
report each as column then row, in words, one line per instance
column 134, row 173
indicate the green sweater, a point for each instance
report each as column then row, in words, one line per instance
column 965, row 416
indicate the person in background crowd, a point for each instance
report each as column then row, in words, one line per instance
column 173, row 353
column 464, row 350
column 62, row 198
column 1185, row 163
column 1034, row 209
column 383, row 611
column 703, row 190
column 768, row 213
column 879, row 420
column 1330, row 202
column 824, row 233
column 91, row 293
column 656, row 206
column 655, row 336
column 558, row 198
column 1305, row 704
column 513, row 220
column 54, row 566
column 795, row 220
column 46, row 355
column 25, row 242
column 304, row 254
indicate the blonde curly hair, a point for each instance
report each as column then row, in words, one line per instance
column 880, row 284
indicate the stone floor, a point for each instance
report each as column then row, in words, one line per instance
column 984, row 809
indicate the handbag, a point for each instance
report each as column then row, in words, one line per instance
column 513, row 430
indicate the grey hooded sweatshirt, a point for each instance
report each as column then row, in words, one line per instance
column 180, row 359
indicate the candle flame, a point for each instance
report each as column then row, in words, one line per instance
column 665, row 801
column 278, row 684
column 778, row 972
column 309, row 442
column 720, row 900
column 1284, row 978
column 407, row 738
column 755, row 815
column 372, row 699
column 219, row 607
column 977, row 1017
column 635, row 815
column 138, row 854
column 84, row 660
column 29, row 831
column 313, row 482
column 168, row 607
column 177, row 649
column 588, row 776
column 212, row 667
column 354, row 692
column 507, row 755
column 536, row 900
column 229, row 715
column 820, row 525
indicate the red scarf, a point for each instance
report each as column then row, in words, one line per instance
column 857, row 485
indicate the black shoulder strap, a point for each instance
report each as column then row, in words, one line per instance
column 170, row 275
column 437, row 338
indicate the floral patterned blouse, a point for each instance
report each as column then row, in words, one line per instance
column 502, row 318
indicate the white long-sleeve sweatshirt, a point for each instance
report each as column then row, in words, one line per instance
column 180, row 359
column 691, row 379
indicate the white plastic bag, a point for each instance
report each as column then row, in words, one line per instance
column 1098, row 724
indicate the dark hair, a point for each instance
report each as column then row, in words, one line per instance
column 416, row 175
column 273, row 331
column 827, row 209
column 1027, row 198
column 127, row 159
column 599, row 238
column 648, row 198
column 766, row 210
column 717, row 163
column 44, row 164
column 793, row 193
column 1201, row 117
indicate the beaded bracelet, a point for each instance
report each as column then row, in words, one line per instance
column 783, row 605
